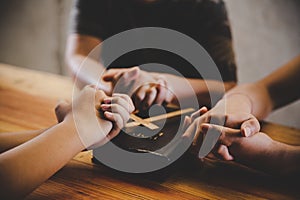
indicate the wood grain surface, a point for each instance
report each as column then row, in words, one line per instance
column 27, row 100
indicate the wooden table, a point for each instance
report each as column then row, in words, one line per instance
column 27, row 99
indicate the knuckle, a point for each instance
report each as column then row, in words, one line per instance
column 217, row 119
column 220, row 150
column 137, row 68
column 139, row 96
column 115, row 100
column 127, row 116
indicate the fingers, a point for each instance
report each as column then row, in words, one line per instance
column 150, row 96
column 225, row 139
column 187, row 121
column 227, row 135
column 129, row 75
column 123, row 80
column 223, row 153
column 198, row 139
column 190, row 131
column 117, row 111
column 248, row 124
column 250, row 127
column 114, row 111
column 118, row 123
column 99, row 96
column 161, row 90
column 110, row 75
column 116, row 118
column 199, row 112
column 127, row 99
column 138, row 96
column 122, row 100
column 127, row 80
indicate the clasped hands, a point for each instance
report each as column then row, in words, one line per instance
column 145, row 88
column 239, row 139
column 111, row 114
column 239, row 132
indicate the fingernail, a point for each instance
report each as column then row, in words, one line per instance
column 105, row 106
column 205, row 127
column 107, row 101
column 185, row 118
column 247, row 131
column 108, row 113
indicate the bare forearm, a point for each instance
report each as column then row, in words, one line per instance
column 82, row 57
column 25, row 167
column 291, row 161
column 280, row 159
column 187, row 88
column 282, row 84
column 262, row 153
column 87, row 71
column 11, row 140
column 277, row 89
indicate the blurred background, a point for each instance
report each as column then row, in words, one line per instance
column 266, row 34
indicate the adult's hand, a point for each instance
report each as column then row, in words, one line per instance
column 87, row 106
column 258, row 151
column 219, row 115
column 144, row 87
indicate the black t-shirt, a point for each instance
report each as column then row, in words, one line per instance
column 203, row 20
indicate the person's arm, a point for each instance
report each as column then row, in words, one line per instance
column 148, row 88
column 26, row 166
column 275, row 90
column 11, row 140
column 83, row 60
column 259, row 151
column 241, row 106
column 187, row 88
column 89, row 28
column 244, row 103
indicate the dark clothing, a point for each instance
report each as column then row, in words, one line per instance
column 203, row 20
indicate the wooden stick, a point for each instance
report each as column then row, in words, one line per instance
column 139, row 121
column 148, row 121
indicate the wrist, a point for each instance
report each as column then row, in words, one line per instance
column 290, row 159
column 238, row 101
column 69, row 129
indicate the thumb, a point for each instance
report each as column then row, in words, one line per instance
column 187, row 121
column 110, row 74
column 250, row 127
column 199, row 112
column 132, row 73
column 126, row 81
